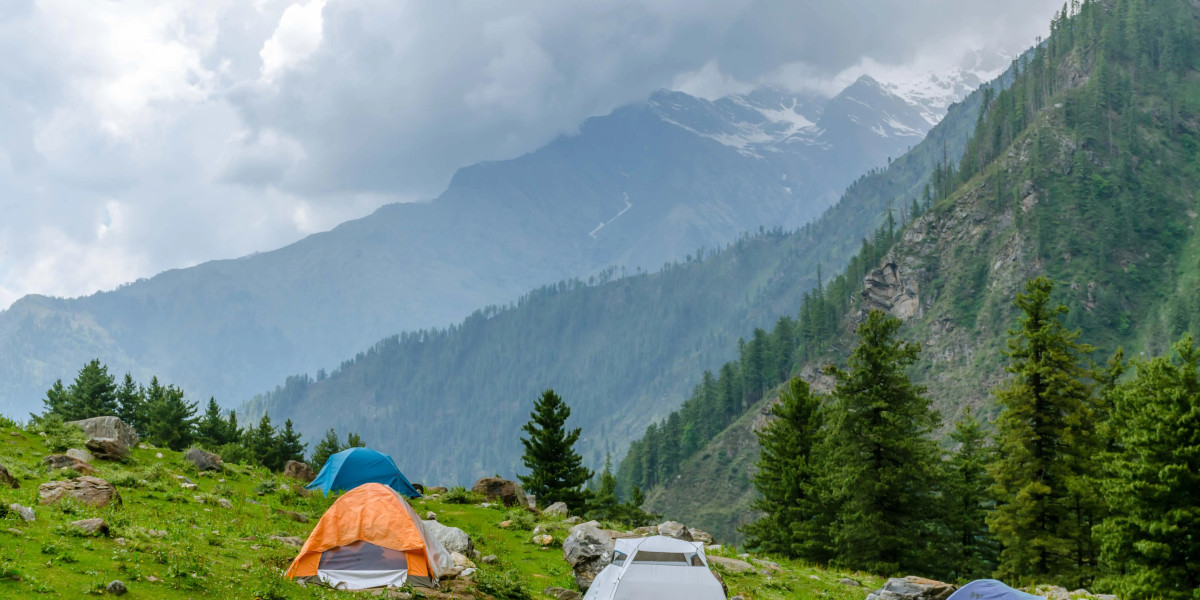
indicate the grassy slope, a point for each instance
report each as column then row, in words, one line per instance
column 212, row 552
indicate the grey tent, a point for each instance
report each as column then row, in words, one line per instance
column 658, row 568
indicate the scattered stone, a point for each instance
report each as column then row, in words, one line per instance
column 431, row 516
column 558, row 509
column 158, row 455
column 62, row 461
column 562, row 593
column 814, row 577
column 701, row 536
column 24, row 512
column 767, row 564
column 733, row 565
column 298, row 470
column 574, row 520
column 738, row 597
column 188, row 486
column 290, row 540
column 152, row 578
column 543, row 540
column 204, row 461
column 676, row 530
column 495, row 488
column 92, row 491
column 505, row 524
column 647, row 530
column 156, row 533
column 108, row 427
column 293, row 515
column 7, row 479
column 107, row 448
column 849, row 582
column 912, row 588
column 489, row 559
column 451, row 538
column 15, row 531
column 224, row 503
column 588, row 549
column 78, row 454
column 116, row 588
column 467, row 573
column 91, row 526
column 437, row 489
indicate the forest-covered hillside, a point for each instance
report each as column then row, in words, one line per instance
column 1085, row 171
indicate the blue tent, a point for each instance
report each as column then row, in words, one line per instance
column 351, row 468
column 990, row 589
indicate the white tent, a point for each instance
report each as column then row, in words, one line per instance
column 658, row 567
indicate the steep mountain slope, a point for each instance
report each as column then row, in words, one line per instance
column 1084, row 171
column 622, row 353
column 644, row 185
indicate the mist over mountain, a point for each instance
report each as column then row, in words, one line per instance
column 646, row 184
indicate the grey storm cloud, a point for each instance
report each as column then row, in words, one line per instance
column 141, row 135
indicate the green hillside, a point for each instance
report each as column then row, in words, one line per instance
column 165, row 541
column 623, row 351
column 1085, row 170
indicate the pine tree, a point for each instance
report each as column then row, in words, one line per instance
column 288, row 445
column 328, row 446
column 604, row 505
column 262, row 445
column 56, row 401
column 170, row 419
column 214, row 430
column 131, row 404
column 1151, row 539
column 353, row 441
column 786, row 480
column 556, row 471
column 970, row 551
column 879, row 464
column 94, row 392
column 1045, row 440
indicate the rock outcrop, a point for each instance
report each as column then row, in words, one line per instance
column 78, row 454
column 91, row 526
column 203, row 461
column 888, row 289
column 108, row 427
column 912, row 588
column 24, row 512
column 7, row 479
column 588, row 549
column 495, row 488
column 452, row 539
column 676, row 530
column 92, row 491
column 733, row 565
column 298, row 470
column 107, row 448
column 558, row 509
column 62, row 461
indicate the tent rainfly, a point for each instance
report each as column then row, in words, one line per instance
column 351, row 468
column 990, row 589
column 656, row 567
column 371, row 537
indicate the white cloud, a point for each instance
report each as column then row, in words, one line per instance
column 295, row 39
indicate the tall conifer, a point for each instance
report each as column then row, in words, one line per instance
column 1151, row 539
column 556, row 471
column 879, row 463
column 1046, row 501
column 791, row 524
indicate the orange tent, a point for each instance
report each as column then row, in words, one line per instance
column 371, row 537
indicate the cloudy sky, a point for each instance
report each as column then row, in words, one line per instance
column 137, row 136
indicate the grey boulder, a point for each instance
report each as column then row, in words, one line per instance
column 452, row 539
column 912, row 588
column 588, row 549
column 107, row 448
column 203, row 461
column 108, row 427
